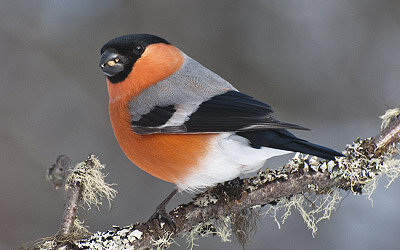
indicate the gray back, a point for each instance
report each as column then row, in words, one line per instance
column 188, row 87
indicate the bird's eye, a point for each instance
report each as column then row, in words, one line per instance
column 138, row 49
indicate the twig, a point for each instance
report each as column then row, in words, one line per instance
column 57, row 174
column 74, row 197
column 389, row 135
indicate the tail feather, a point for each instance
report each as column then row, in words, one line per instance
column 283, row 139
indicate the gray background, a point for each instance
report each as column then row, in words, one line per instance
column 332, row 66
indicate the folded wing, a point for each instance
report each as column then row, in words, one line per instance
column 231, row 111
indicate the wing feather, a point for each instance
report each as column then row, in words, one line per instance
column 232, row 111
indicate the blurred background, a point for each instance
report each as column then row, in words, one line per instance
column 333, row 66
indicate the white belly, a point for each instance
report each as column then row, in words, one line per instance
column 230, row 155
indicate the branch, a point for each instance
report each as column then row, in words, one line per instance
column 57, row 174
column 390, row 131
column 85, row 186
column 302, row 180
column 71, row 210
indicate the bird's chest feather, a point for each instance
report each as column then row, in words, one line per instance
column 171, row 157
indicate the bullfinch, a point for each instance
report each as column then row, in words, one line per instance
column 184, row 124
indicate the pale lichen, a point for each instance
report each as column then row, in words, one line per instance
column 79, row 230
column 94, row 188
column 165, row 241
column 135, row 235
column 219, row 227
column 313, row 209
column 48, row 245
column 360, row 169
column 203, row 230
column 363, row 170
column 388, row 168
column 205, row 200
column 389, row 116
column 119, row 238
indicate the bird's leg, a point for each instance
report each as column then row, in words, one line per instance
column 160, row 212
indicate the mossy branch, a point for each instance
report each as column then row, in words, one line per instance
column 308, row 185
column 85, row 186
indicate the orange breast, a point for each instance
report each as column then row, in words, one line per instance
column 170, row 157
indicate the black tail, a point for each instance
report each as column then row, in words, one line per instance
column 283, row 139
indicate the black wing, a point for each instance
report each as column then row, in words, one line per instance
column 156, row 117
column 283, row 139
column 229, row 112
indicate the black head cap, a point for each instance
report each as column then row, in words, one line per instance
column 120, row 54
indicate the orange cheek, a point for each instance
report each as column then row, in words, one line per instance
column 157, row 63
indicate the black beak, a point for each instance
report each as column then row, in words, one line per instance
column 111, row 63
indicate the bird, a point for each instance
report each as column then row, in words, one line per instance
column 182, row 123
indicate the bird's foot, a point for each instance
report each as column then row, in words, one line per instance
column 162, row 216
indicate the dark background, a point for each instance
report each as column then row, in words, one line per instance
column 332, row 66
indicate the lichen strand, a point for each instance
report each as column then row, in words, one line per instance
column 313, row 208
column 79, row 230
column 389, row 116
column 216, row 227
column 94, row 188
column 165, row 241
column 54, row 242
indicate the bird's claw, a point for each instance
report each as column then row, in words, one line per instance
column 162, row 216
